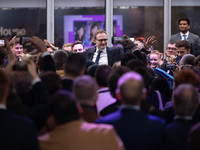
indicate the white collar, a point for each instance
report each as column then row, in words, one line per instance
column 187, row 34
column 103, row 50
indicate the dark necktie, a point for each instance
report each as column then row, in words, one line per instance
column 98, row 57
column 184, row 36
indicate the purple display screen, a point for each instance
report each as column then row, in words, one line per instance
column 82, row 27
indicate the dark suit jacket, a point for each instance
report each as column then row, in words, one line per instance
column 17, row 133
column 137, row 130
column 193, row 39
column 177, row 133
column 113, row 53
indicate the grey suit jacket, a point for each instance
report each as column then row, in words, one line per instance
column 192, row 38
column 113, row 53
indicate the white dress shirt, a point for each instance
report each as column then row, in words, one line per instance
column 182, row 37
column 103, row 57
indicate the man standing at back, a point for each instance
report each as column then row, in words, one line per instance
column 101, row 54
column 184, row 27
column 137, row 130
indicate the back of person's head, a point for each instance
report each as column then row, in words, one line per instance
column 186, row 76
column 125, row 57
column 193, row 138
column 63, row 107
column 67, row 46
column 144, row 55
column 197, row 62
column 98, row 32
column 114, row 76
column 145, row 74
column 51, row 81
column 84, row 89
column 186, row 99
column 184, row 19
column 130, row 87
column 22, row 78
column 102, row 74
column 91, row 70
column 188, row 59
column 75, row 65
column 184, row 43
column 132, row 64
column 60, row 58
column 4, row 84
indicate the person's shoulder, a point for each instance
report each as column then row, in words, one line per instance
column 156, row 119
column 193, row 35
column 112, row 117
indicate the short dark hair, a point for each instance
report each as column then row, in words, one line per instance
column 51, row 80
column 125, row 57
column 184, row 19
column 102, row 74
column 183, row 43
column 75, row 64
column 63, row 107
column 114, row 76
column 60, row 58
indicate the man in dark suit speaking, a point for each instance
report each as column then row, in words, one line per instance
column 184, row 27
column 101, row 54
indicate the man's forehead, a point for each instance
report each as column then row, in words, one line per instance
column 99, row 35
column 171, row 45
column 78, row 46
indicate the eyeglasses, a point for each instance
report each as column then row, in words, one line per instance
column 101, row 40
column 171, row 48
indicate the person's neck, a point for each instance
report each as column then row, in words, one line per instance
column 184, row 32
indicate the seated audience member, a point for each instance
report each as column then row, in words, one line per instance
column 187, row 61
column 185, row 98
column 16, row 132
column 193, row 138
column 60, row 57
column 67, row 47
column 71, row 132
column 105, row 99
column 183, row 47
column 155, row 59
column 137, row 130
column 74, row 67
column 78, row 47
column 85, row 91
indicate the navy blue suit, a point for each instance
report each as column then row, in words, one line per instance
column 113, row 53
column 138, row 131
column 16, row 132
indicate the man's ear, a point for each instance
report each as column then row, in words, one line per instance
column 94, row 40
column 118, row 95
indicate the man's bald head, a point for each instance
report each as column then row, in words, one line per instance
column 131, row 88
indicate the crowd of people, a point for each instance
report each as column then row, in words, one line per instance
column 130, row 97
